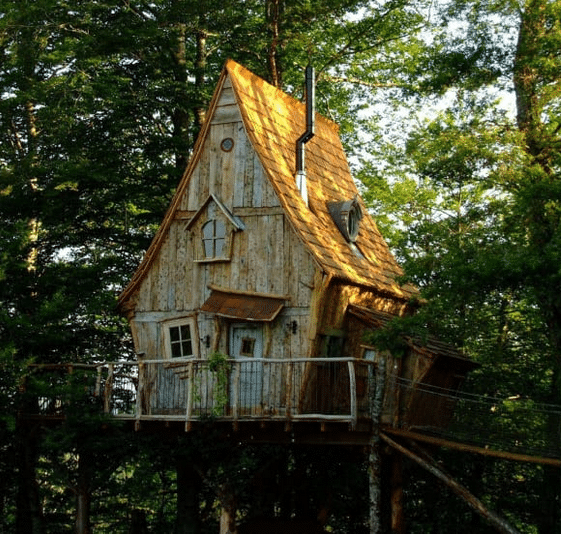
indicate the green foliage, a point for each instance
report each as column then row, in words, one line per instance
column 395, row 335
column 474, row 217
column 220, row 368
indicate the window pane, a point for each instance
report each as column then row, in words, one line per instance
column 208, row 230
column 174, row 333
column 176, row 350
column 219, row 247
column 335, row 347
column 220, row 230
column 209, row 252
column 248, row 346
column 187, row 348
column 180, row 341
column 353, row 223
column 185, row 332
column 214, row 238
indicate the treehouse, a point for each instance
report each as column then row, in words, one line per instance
column 253, row 300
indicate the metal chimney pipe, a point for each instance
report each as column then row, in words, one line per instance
column 308, row 134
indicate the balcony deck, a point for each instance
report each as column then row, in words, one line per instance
column 309, row 400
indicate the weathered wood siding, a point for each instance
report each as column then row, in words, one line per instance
column 266, row 256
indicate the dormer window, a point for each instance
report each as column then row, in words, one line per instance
column 213, row 226
column 353, row 221
column 347, row 215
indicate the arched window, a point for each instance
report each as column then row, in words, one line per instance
column 214, row 238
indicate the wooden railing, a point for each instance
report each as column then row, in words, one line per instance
column 319, row 389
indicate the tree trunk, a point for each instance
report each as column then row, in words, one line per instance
column 29, row 515
column 543, row 225
column 200, row 69
column 396, row 488
column 180, row 116
column 228, row 516
column 550, row 519
column 273, row 13
column 188, row 487
column 227, row 522
column 83, row 495
column 376, row 392
column 138, row 522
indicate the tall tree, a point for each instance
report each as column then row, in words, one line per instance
column 480, row 199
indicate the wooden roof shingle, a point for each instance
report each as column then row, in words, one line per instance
column 274, row 121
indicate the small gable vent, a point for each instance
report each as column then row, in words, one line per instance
column 347, row 215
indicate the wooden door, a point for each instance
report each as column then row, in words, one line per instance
column 246, row 345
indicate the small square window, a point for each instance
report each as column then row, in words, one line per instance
column 248, row 346
column 180, row 338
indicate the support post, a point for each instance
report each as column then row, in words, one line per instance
column 396, row 488
column 376, row 397
column 83, row 495
column 497, row 522
column 29, row 513
column 228, row 515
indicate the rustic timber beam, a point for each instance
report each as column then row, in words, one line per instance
column 497, row 522
column 556, row 462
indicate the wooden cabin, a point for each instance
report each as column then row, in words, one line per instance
column 268, row 255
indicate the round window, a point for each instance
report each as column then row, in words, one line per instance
column 227, row 144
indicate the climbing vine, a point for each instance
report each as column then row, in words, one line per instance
column 219, row 367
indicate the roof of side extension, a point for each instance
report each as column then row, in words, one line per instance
column 274, row 121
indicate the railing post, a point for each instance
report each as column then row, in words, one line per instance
column 266, row 391
column 97, row 389
column 236, row 393
column 140, row 393
column 189, row 407
column 352, row 392
column 108, row 389
column 289, row 381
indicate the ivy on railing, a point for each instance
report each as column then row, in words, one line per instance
column 220, row 368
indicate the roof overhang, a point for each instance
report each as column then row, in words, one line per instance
column 243, row 306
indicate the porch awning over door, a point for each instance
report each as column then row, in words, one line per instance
column 244, row 307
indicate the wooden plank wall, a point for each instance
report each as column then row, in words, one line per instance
column 267, row 256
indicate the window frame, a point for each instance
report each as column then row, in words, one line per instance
column 177, row 323
column 213, row 211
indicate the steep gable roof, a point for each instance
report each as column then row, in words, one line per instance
column 273, row 122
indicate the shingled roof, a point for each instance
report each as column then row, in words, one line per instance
column 274, row 121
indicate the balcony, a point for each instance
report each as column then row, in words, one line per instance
column 323, row 390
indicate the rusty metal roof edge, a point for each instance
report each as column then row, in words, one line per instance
column 220, row 289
